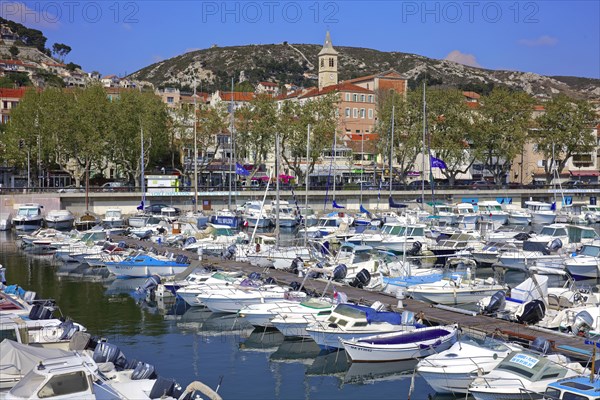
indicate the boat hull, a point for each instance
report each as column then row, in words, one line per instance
column 331, row 340
column 60, row 225
column 542, row 218
column 27, row 224
column 448, row 382
column 467, row 295
column 143, row 271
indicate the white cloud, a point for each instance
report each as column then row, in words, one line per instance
column 462, row 58
column 37, row 17
column 543, row 40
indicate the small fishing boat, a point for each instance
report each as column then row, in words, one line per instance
column 29, row 217
column 145, row 265
column 113, row 218
column 403, row 345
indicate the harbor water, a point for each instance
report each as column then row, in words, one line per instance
column 218, row 349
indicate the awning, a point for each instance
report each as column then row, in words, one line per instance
column 585, row 173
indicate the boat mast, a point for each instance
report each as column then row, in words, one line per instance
column 277, row 175
column 230, row 148
column 423, row 150
column 392, row 149
column 306, row 183
column 362, row 164
column 195, row 153
column 142, row 161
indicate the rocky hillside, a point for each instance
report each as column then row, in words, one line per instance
column 296, row 64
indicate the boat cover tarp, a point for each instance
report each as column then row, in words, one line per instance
column 378, row 316
column 16, row 358
column 534, row 288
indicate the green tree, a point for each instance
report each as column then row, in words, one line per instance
column 502, row 122
column 14, row 51
column 406, row 132
column 137, row 117
column 293, row 122
column 20, row 139
column 256, row 124
column 451, row 136
column 61, row 50
column 564, row 130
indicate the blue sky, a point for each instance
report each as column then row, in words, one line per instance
column 545, row 37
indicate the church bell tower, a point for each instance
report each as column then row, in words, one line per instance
column 328, row 64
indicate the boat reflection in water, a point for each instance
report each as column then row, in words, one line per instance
column 335, row 363
column 262, row 340
column 225, row 324
column 296, row 350
column 371, row 372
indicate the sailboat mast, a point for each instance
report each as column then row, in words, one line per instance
column 277, row 175
column 195, row 153
column 230, row 148
column 423, row 149
column 306, row 183
column 142, row 161
column 334, row 162
column 362, row 164
column 392, row 149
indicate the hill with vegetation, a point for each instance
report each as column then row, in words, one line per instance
column 296, row 64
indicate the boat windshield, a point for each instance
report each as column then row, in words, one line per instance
column 27, row 386
column 550, row 231
column 28, row 212
column 350, row 312
column 593, row 251
column 223, row 232
column 523, row 364
column 113, row 214
column 316, row 303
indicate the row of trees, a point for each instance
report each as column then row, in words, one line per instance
column 82, row 129
column 494, row 132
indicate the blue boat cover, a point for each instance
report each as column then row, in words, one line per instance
column 409, row 337
column 378, row 316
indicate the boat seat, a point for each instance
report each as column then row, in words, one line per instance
column 553, row 302
column 563, row 302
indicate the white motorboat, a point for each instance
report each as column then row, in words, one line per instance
column 49, row 333
column 466, row 215
column 523, row 375
column 287, row 217
column 256, row 215
column 445, row 214
column 292, row 321
column 113, row 218
column 591, row 213
column 541, row 213
column 492, row 211
column 189, row 293
column 453, row 370
column 349, row 321
column 60, row 219
column 518, row 216
column 328, row 224
column 214, row 239
column 5, row 221
column 260, row 315
column 585, row 264
column 308, row 216
column 28, row 217
column 232, row 299
column 399, row 238
column 403, row 345
column 356, row 258
column 455, row 289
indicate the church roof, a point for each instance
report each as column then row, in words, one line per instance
column 328, row 46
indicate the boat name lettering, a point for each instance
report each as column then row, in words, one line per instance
column 524, row 360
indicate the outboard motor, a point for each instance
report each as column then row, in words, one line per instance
column 230, row 253
column 340, row 272
column 254, row 276
column 541, row 345
column 415, row 250
column 583, row 322
column 533, row 312
column 497, row 302
column 555, row 245
column 362, row 279
column 42, row 311
column 297, row 263
column 143, row 371
column 295, row 286
column 162, row 388
column 106, row 352
column 270, row 281
column 68, row 328
column 147, row 288
column 189, row 241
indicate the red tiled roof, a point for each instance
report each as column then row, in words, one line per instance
column 268, row 84
column 13, row 62
column 538, row 108
column 471, row 104
column 237, row 96
column 109, row 76
column 54, row 64
column 13, row 93
column 340, row 87
column 384, row 75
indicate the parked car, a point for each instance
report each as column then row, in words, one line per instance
column 116, row 187
column 157, row 208
column 573, row 184
column 253, row 185
column 416, row 185
column 71, row 189
column 482, row 185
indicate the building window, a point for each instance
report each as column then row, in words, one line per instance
column 370, row 113
column 347, row 112
column 358, row 131
column 347, row 96
column 355, row 112
column 322, row 62
column 354, row 97
column 362, row 113
column 370, row 98
column 170, row 100
column 331, row 62
column 362, row 98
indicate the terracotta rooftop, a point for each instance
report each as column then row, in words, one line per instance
column 340, row 87
column 237, row 96
column 14, row 93
column 472, row 95
column 271, row 84
column 390, row 74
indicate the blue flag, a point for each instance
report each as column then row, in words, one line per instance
column 141, row 206
column 336, row 205
column 436, row 163
column 364, row 210
column 240, row 170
